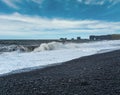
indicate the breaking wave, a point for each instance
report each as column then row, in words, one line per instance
column 42, row 47
column 49, row 46
column 56, row 46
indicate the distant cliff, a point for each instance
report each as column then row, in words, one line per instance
column 105, row 37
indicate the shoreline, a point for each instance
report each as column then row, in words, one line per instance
column 31, row 69
column 90, row 75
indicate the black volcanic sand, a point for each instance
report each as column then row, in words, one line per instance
column 92, row 75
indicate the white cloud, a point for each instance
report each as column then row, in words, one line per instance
column 11, row 3
column 25, row 26
column 98, row 2
column 14, row 3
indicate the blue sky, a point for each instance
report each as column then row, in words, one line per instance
column 52, row 19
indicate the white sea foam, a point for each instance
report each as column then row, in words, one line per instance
column 52, row 53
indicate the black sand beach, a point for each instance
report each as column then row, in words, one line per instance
column 92, row 75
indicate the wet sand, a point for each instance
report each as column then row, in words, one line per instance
column 97, row 74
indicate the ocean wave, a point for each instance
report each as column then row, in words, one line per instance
column 18, row 48
column 30, row 48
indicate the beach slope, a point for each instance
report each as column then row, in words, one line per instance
column 97, row 74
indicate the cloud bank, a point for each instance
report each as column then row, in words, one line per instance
column 21, row 26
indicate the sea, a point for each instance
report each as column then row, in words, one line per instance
column 17, row 58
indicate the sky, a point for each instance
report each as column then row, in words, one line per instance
column 53, row 19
